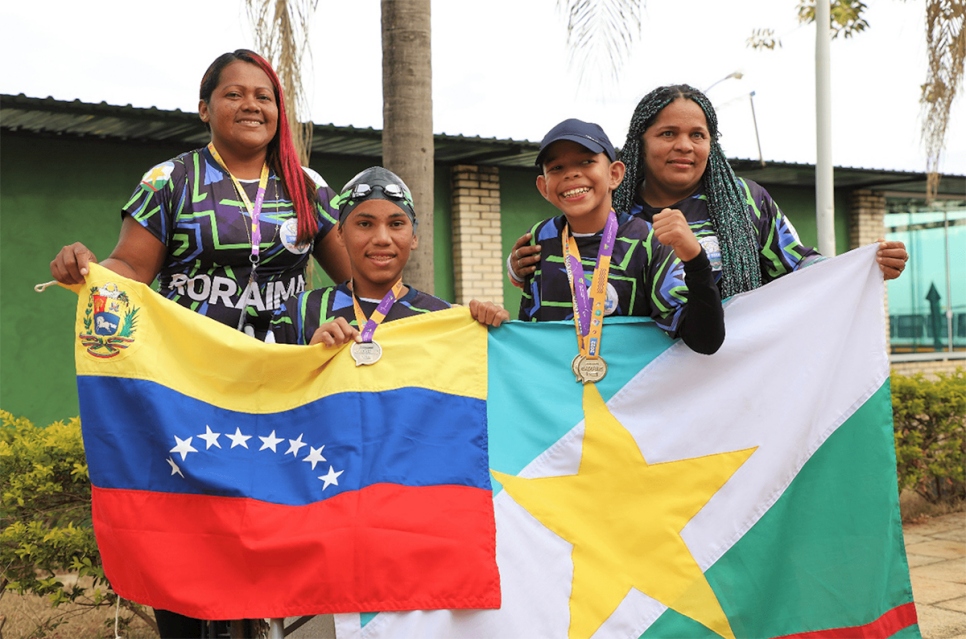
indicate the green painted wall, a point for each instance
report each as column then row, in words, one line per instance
column 56, row 191
column 798, row 204
column 521, row 206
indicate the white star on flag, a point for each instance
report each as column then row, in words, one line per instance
column 183, row 447
column 211, row 439
column 238, row 439
column 270, row 442
column 294, row 445
column 174, row 468
column 329, row 478
column 315, row 456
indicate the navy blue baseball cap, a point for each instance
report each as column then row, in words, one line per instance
column 586, row 134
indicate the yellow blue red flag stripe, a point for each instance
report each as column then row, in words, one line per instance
column 239, row 479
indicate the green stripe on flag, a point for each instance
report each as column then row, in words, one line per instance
column 829, row 553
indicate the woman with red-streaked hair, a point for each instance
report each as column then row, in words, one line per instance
column 227, row 229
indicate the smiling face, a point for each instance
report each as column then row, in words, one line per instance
column 378, row 236
column 242, row 111
column 579, row 182
column 675, row 148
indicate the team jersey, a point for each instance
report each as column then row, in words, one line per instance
column 645, row 279
column 299, row 317
column 781, row 252
column 191, row 205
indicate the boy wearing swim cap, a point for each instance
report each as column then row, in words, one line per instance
column 377, row 227
column 595, row 263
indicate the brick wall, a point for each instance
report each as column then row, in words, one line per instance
column 866, row 217
column 866, row 225
column 478, row 260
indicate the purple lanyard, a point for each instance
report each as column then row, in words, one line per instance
column 584, row 300
column 369, row 325
column 253, row 211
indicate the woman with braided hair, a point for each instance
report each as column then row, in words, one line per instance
column 674, row 161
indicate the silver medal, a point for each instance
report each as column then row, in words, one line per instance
column 365, row 353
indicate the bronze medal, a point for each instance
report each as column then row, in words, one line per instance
column 590, row 370
column 575, row 366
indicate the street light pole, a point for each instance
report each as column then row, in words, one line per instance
column 737, row 75
column 754, row 120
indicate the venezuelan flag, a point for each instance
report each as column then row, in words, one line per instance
column 235, row 479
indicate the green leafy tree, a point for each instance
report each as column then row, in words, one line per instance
column 45, row 521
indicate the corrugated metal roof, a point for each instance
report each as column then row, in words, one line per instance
column 47, row 116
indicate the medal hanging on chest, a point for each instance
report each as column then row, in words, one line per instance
column 368, row 352
column 254, row 212
column 588, row 366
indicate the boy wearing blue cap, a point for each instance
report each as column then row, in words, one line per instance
column 377, row 227
column 654, row 270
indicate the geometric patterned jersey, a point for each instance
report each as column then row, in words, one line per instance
column 192, row 206
column 299, row 317
column 780, row 249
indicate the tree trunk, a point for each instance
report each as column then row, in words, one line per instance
column 407, row 134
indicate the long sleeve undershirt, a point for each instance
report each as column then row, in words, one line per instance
column 702, row 327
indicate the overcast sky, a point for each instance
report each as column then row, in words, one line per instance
column 500, row 68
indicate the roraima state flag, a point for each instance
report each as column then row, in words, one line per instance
column 751, row 493
column 237, row 479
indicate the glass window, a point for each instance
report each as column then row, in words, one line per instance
column 927, row 305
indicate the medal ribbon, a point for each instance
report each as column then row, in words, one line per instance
column 589, row 305
column 253, row 211
column 368, row 326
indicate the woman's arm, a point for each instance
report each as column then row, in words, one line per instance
column 702, row 325
column 138, row 256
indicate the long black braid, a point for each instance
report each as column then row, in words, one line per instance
column 741, row 269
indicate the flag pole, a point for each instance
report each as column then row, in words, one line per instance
column 276, row 628
column 824, row 179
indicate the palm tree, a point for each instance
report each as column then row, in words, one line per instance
column 407, row 114
column 281, row 37
column 600, row 35
column 946, row 43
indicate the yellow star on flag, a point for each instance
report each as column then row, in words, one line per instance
column 624, row 518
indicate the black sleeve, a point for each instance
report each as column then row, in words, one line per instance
column 702, row 327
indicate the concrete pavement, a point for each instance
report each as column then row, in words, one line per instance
column 936, row 549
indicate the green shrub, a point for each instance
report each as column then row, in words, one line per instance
column 930, row 432
column 45, row 517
